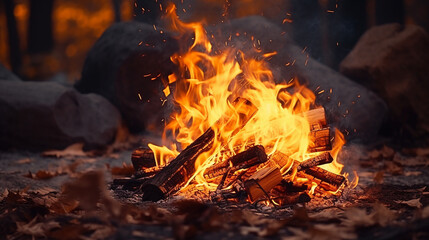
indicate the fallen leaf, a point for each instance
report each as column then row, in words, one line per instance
column 42, row 174
column 358, row 217
column 387, row 152
column 412, row 173
column 382, row 215
column 393, row 168
column 73, row 150
column 24, row 161
column 412, row 203
column 125, row 170
column 379, row 177
column 411, row 161
column 425, row 212
column 37, row 229
column 330, row 213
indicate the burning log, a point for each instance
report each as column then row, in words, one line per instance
column 316, row 118
column 315, row 161
column 322, row 141
column 260, row 183
column 292, row 199
column 251, row 157
column 325, row 179
column 142, row 158
column 280, row 160
column 172, row 177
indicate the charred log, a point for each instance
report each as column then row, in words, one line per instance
column 142, row 158
column 251, row 157
column 325, row 179
column 315, row 161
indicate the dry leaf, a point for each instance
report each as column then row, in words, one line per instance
column 387, row 152
column 382, row 215
column 358, row 217
column 24, row 161
column 379, row 177
column 393, row 168
column 425, row 212
column 74, row 150
column 412, row 173
column 36, row 229
column 90, row 190
column 330, row 213
column 411, row 161
column 412, row 203
column 125, row 170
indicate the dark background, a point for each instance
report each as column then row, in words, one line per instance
column 45, row 39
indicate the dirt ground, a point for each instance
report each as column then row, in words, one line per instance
column 66, row 195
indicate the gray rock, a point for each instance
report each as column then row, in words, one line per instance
column 41, row 115
column 130, row 61
column 5, row 74
column 392, row 60
column 350, row 107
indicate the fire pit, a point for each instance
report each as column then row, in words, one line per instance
column 241, row 133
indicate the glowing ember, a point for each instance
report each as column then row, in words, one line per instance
column 204, row 90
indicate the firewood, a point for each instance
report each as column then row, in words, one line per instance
column 292, row 199
column 316, row 118
column 172, row 177
column 325, row 179
column 260, row 183
column 321, row 140
column 315, row 161
column 252, row 156
column 142, row 158
column 281, row 160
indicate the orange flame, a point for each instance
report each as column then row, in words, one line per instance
column 207, row 84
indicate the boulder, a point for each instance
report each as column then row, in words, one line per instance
column 129, row 66
column 5, row 74
column 392, row 60
column 42, row 115
column 350, row 107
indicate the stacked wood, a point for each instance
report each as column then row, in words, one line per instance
column 172, row 177
column 249, row 172
column 261, row 183
column 321, row 140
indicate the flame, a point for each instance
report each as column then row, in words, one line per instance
column 204, row 90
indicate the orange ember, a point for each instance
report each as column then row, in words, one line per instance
column 203, row 91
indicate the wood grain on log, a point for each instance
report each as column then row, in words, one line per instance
column 325, row 179
column 321, row 140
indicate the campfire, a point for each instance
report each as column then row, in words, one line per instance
column 235, row 134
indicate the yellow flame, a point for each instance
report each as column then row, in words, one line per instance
column 208, row 83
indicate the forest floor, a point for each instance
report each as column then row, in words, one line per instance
column 65, row 195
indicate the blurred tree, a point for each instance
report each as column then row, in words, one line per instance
column 117, row 9
column 40, row 36
column 13, row 37
column 389, row 11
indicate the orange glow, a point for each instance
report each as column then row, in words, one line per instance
column 206, row 86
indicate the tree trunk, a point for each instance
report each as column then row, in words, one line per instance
column 40, row 36
column 13, row 38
